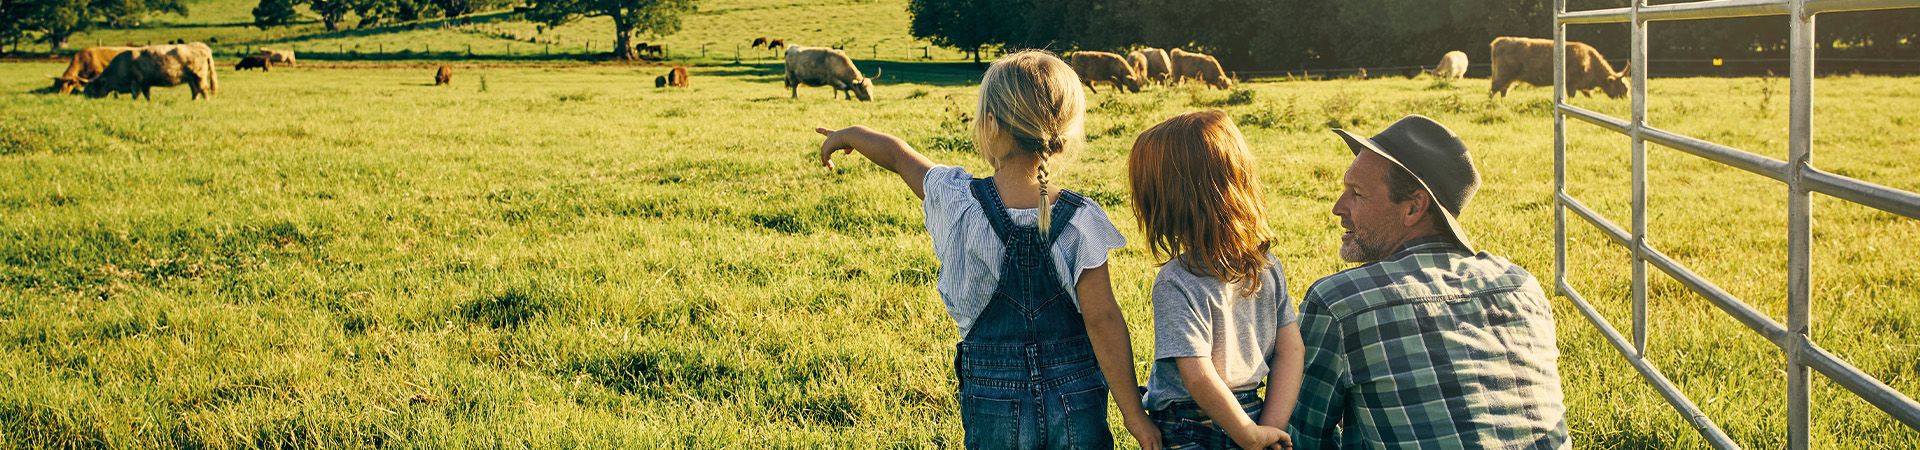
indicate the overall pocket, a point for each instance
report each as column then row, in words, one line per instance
column 1086, row 420
column 989, row 423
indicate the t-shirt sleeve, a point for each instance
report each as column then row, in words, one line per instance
column 1180, row 323
column 947, row 201
column 1288, row 315
column 1085, row 246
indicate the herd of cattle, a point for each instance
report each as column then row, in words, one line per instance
column 100, row 71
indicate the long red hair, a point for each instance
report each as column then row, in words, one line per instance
column 1198, row 199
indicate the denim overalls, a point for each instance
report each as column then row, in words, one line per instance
column 1028, row 378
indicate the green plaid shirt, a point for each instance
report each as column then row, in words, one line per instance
column 1429, row 348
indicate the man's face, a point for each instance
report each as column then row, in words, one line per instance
column 1375, row 224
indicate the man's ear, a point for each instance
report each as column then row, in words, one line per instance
column 1417, row 208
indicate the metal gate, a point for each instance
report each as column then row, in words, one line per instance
column 1796, row 172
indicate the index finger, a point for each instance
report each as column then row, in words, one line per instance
column 823, row 131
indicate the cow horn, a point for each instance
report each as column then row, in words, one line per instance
column 877, row 71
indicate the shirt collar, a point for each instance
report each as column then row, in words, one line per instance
column 1438, row 243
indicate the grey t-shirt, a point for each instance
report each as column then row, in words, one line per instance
column 1196, row 315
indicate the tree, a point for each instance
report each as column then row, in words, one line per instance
column 653, row 17
column 271, row 13
column 964, row 25
column 331, row 12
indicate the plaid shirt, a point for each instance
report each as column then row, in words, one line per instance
column 1429, row 348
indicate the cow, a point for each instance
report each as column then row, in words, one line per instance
column 86, row 64
column 1138, row 61
column 1452, row 66
column 1159, row 66
column 659, row 81
column 816, row 66
column 1198, row 65
column 654, row 50
column 776, row 44
column 444, row 75
column 1102, row 66
column 137, row 71
column 759, row 42
column 1531, row 60
column 284, row 57
column 677, row 77
column 253, row 62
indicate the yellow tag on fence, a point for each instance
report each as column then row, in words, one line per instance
column 1717, row 62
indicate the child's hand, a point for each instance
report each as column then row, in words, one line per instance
column 1145, row 433
column 1261, row 437
column 845, row 139
column 1285, row 442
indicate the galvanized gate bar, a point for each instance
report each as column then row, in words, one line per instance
column 1694, row 416
column 1796, row 172
column 1870, row 389
column 1879, row 197
column 1721, row 9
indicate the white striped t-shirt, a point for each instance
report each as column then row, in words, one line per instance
column 970, row 253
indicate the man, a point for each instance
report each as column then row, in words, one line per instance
column 1427, row 344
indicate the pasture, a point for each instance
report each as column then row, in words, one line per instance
column 549, row 257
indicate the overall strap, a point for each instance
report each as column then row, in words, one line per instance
column 990, row 204
column 1064, row 206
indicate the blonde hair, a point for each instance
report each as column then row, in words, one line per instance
column 1198, row 199
column 1035, row 99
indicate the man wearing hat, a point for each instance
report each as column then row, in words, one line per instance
column 1428, row 343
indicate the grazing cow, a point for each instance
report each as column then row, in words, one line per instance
column 759, row 42
column 137, row 71
column 653, row 50
column 254, row 62
column 284, row 57
column 1159, row 66
column 659, row 81
column 86, row 64
column 815, row 66
column 443, row 76
column 1531, row 60
column 1138, row 61
column 677, row 77
column 1103, row 66
column 1452, row 66
column 1199, row 65
column 776, row 44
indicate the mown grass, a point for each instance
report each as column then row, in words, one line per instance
column 572, row 258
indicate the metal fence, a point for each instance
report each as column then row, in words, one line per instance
column 1796, row 172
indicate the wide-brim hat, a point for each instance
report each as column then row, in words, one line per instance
column 1437, row 159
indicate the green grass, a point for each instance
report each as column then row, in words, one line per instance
column 571, row 258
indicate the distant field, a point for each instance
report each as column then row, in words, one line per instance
column 720, row 28
column 566, row 257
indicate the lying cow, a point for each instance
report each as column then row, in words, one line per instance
column 659, row 81
column 677, row 77
column 1159, row 66
column 137, row 71
column 283, row 57
column 86, row 65
column 1531, row 60
column 1452, row 66
column 1199, row 65
column 816, row 66
column 253, row 62
column 1102, row 66
column 443, row 76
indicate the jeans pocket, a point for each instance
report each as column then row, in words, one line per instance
column 1086, row 421
column 989, row 423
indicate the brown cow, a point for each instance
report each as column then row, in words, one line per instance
column 443, row 76
column 138, row 70
column 283, row 57
column 1103, row 66
column 1531, row 60
column 254, row 62
column 1159, row 66
column 759, row 42
column 776, row 44
column 815, row 66
column 677, row 77
column 1138, row 61
column 86, row 64
column 1199, row 65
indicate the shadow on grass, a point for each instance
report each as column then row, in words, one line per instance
column 891, row 72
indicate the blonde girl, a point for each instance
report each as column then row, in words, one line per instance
column 1222, row 322
column 1023, row 267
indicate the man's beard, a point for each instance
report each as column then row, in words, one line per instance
column 1358, row 248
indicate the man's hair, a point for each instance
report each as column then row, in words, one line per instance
column 1400, row 187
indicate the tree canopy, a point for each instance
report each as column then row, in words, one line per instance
column 653, row 17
